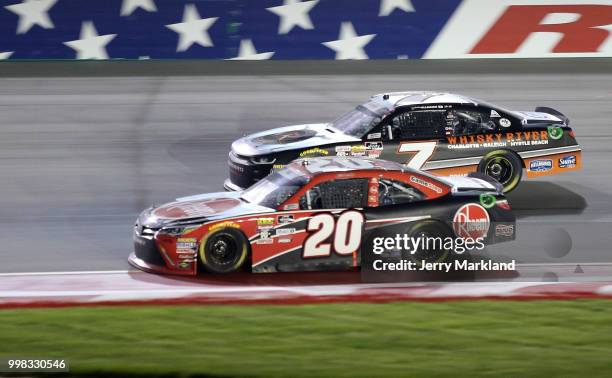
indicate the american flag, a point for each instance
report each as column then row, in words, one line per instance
column 220, row 29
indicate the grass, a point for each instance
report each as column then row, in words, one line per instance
column 506, row 338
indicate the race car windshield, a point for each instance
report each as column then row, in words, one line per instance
column 360, row 120
column 275, row 189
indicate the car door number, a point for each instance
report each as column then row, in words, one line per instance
column 423, row 151
column 346, row 239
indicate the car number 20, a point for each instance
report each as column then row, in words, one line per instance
column 347, row 236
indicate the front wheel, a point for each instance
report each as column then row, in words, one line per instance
column 503, row 166
column 224, row 251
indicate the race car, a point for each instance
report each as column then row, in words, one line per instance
column 443, row 133
column 316, row 214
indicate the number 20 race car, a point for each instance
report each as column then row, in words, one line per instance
column 316, row 214
column 443, row 133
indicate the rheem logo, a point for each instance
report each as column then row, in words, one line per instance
column 471, row 221
column 527, row 29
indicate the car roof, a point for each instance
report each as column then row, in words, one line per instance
column 394, row 99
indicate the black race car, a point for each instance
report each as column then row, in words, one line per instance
column 444, row 133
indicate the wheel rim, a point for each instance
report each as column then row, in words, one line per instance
column 223, row 250
column 500, row 169
column 426, row 254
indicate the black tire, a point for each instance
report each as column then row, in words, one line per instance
column 504, row 166
column 430, row 228
column 224, row 251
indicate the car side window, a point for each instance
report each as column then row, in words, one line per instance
column 417, row 124
column 469, row 122
column 336, row 194
column 393, row 192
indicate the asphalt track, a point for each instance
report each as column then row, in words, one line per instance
column 80, row 157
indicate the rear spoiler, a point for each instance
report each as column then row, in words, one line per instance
column 556, row 113
column 481, row 176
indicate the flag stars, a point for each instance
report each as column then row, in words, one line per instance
column 129, row 6
column 193, row 29
column 90, row 45
column 349, row 45
column 388, row 6
column 247, row 52
column 293, row 13
column 32, row 12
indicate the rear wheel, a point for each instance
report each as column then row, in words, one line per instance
column 224, row 251
column 503, row 166
column 435, row 234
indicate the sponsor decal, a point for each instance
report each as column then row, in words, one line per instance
column 285, row 231
column 235, row 167
column 373, row 145
column 512, row 139
column 291, row 206
column 343, row 148
column 425, row 184
column 505, row 122
column 567, row 161
column 265, row 222
column 494, row 113
column 278, row 166
column 504, row 230
column 487, row 200
column 314, row 151
column 186, row 243
column 374, row 136
column 285, row 219
column 540, row 165
column 358, row 150
column 285, row 240
column 555, row 132
column 471, row 221
column 224, row 225
column 184, row 264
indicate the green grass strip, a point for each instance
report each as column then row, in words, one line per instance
column 462, row 338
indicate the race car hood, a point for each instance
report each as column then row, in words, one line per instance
column 203, row 207
column 289, row 138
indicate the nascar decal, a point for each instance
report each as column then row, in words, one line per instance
column 471, row 221
column 526, row 29
column 513, row 139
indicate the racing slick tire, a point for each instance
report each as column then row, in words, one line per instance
column 429, row 229
column 504, row 166
column 224, row 251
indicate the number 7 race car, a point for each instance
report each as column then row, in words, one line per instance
column 316, row 214
column 443, row 133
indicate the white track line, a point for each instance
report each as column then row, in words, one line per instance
column 88, row 272
column 70, row 273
